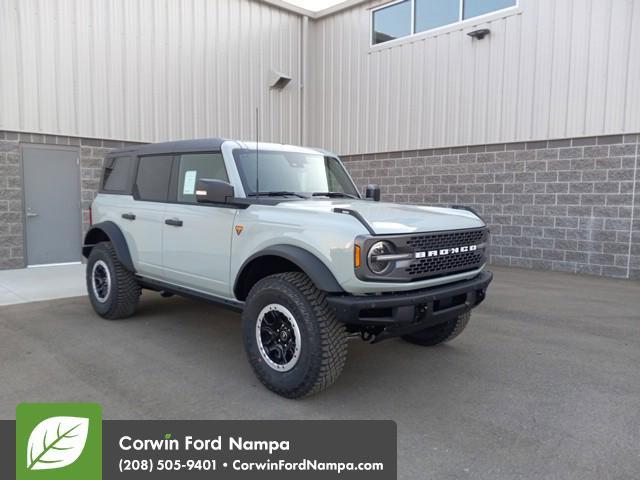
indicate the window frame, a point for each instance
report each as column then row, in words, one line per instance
column 460, row 24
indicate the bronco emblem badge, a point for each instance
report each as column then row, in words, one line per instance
column 446, row 251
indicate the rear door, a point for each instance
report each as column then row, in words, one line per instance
column 143, row 222
column 197, row 237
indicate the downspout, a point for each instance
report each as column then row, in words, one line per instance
column 302, row 75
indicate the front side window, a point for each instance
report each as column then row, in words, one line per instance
column 152, row 181
column 300, row 173
column 193, row 167
column 394, row 21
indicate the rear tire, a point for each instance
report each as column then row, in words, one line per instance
column 293, row 341
column 113, row 290
column 438, row 334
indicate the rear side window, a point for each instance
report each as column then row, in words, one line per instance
column 195, row 166
column 152, row 181
column 117, row 175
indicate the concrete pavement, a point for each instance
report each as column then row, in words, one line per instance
column 543, row 384
column 34, row 284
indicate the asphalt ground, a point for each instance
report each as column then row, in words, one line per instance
column 543, row 384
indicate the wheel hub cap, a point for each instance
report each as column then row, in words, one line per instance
column 278, row 337
column 101, row 281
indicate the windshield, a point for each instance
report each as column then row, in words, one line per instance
column 292, row 172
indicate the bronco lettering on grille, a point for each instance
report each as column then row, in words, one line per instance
column 446, row 251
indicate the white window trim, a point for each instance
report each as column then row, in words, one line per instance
column 461, row 24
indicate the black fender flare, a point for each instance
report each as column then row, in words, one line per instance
column 95, row 235
column 317, row 271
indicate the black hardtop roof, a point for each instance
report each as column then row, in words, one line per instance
column 178, row 146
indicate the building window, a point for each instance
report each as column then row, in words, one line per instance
column 474, row 8
column 409, row 17
column 436, row 13
column 391, row 22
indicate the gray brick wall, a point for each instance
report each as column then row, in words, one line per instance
column 565, row 205
column 12, row 234
column 11, row 229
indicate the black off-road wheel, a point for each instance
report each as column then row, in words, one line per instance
column 294, row 343
column 113, row 290
column 438, row 334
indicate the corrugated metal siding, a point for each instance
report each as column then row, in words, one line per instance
column 552, row 69
column 148, row 70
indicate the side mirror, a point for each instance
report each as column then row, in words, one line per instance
column 214, row 191
column 372, row 193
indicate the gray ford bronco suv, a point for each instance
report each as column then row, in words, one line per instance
column 281, row 234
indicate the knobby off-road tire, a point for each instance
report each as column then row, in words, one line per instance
column 322, row 339
column 439, row 333
column 120, row 299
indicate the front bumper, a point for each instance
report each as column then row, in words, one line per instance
column 401, row 313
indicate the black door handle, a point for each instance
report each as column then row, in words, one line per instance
column 128, row 216
column 174, row 222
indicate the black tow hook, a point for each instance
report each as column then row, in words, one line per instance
column 367, row 336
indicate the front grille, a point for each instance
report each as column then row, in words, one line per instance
column 437, row 241
column 434, row 266
column 451, row 263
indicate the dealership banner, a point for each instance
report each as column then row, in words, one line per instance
column 65, row 441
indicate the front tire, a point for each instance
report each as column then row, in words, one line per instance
column 293, row 341
column 441, row 333
column 113, row 290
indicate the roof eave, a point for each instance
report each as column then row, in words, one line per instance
column 311, row 14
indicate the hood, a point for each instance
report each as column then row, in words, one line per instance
column 395, row 218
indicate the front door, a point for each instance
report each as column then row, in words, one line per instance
column 197, row 238
column 53, row 212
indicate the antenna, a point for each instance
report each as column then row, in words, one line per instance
column 257, row 157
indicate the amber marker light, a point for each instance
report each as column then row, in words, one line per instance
column 356, row 256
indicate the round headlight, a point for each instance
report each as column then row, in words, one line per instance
column 377, row 265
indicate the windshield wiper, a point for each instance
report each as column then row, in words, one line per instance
column 275, row 194
column 333, row 195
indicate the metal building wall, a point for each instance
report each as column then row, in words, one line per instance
column 148, row 70
column 549, row 69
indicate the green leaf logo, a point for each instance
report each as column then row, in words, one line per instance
column 57, row 442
